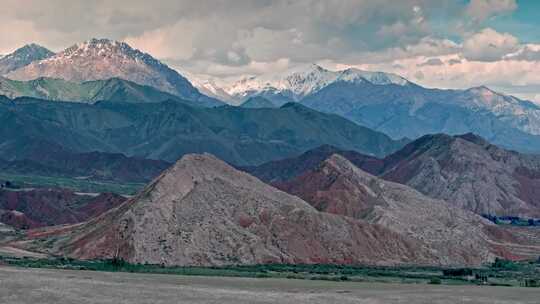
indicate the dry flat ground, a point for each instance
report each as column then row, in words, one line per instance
column 23, row 285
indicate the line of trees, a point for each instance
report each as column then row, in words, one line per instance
column 512, row 220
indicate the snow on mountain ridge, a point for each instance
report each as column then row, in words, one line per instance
column 522, row 114
column 378, row 78
column 104, row 48
column 307, row 79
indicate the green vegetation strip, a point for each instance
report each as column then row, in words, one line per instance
column 81, row 185
column 500, row 273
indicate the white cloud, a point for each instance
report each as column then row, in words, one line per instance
column 527, row 52
column 11, row 37
column 489, row 45
column 480, row 10
column 432, row 62
column 230, row 73
column 156, row 42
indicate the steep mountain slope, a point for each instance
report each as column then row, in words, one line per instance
column 463, row 170
column 22, row 57
column 47, row 159
column 450, row 233
column 100, row 59
column 169, row 130
column 469, row 172
column 203, row 212
column 257, row 102
column 114, row 89
column 48, row 207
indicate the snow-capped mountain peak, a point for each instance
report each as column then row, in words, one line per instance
column 209, row 87
column 304, row 80
column 299, row 82
column 485, row 97
column 378, row 78
column 106, row 49
column 100, row 59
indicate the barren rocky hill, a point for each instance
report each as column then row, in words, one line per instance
column 451, row 234
column 203, row 212
column 469, row 172
column 464, row 170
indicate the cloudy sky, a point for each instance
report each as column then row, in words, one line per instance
column 437, row 43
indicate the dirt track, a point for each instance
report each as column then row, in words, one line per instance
column 32, row 286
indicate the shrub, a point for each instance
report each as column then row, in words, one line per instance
column 116, row 263
column 435, row 281
column 344, row 278
column 504, row 264
column 530, row 283
column 460, row 272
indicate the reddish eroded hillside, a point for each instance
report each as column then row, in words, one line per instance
column 452, row 234
column 50, row 159
column 464, row 170
column 48, row 207
column 333, row 191
column 286, row 169
column 204, row 212
column 17, row 220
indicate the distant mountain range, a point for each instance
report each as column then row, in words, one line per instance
column 303, row 81
column 170, row 129
column 398, row 107
column 102, row 69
